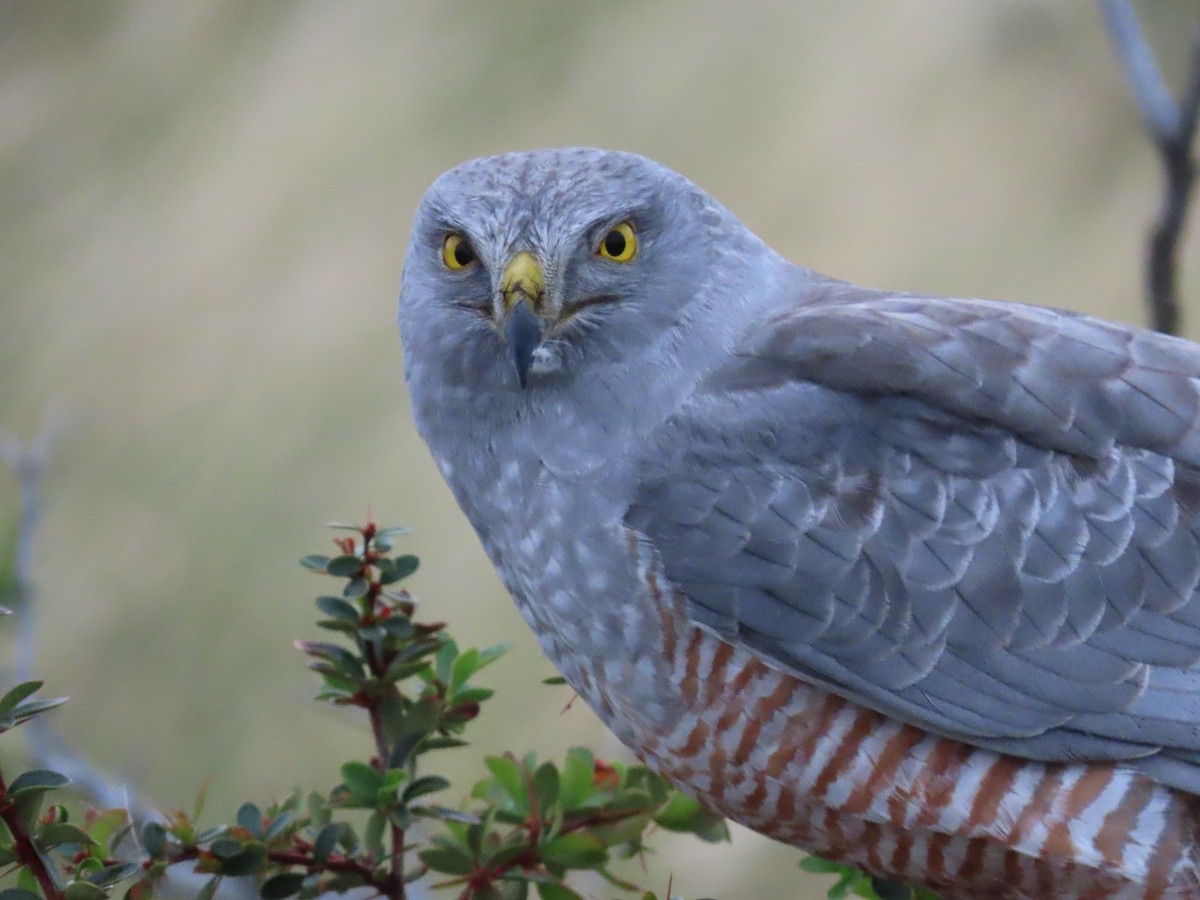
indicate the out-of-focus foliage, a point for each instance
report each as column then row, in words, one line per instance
column 531, row 826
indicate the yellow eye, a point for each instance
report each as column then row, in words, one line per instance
column 457, row 252
column 619, row 244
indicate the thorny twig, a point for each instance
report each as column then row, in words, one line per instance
column 1172, row 127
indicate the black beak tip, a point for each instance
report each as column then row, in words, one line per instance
column 524, row 333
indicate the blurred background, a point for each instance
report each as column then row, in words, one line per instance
column 203, row 215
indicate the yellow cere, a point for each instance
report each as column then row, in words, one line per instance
column 457, row 252
column 619, row 244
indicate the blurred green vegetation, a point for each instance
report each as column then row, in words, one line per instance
column 205, row 210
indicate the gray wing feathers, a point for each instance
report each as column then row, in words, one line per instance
column 979, row 518
column 1062, row 381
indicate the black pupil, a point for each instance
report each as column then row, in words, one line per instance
column 614, row 243
column 464, row 253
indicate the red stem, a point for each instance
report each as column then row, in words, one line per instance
column 287, row 858
column 529, row 860
column 27, row 853
column 396, row 888
column 292, row 858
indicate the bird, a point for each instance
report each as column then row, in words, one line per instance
column 907, row 581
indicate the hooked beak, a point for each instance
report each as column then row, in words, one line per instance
column 521, row 289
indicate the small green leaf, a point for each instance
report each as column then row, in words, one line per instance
column 249, row 817
column 470, row 695
column 398, row 627
column 342, row 659
column 84, row 890
column 386, row 571
column 576, row 850
column 445, row 814
column 224, row 848
column 427, row 784
column 850, row 882
column 109, row 826
column 373, row 834
column 554, row 680
column 279, row 825
column 316, row 562
column 364, row 781
column 37, row 779
column 682, row 813
column 576, row 782
column 555, row 890
column 285, row 884
column 210, row 888
column 62, row 833
column 31, row 708
column 249, row 861
column 198, row 803
column 337, row 608
column 545, row 788
column 349, row 840
column 340, row 686
column 208, row 835
column 422, row 716
column 489, row 655
column 464, row 667
column 890, row 890
column 317, row 806
column 27, row 881
column 392, row 779
column 399, row 669
column 327, row 839
column 17, row 693
column 356, row 588
column 393, row 531
column 416, row 650
column 114, row 873
column 445, row 857
column 443, row 663
column 508, row 776
column 514, row 846
column 437, row 742
column 819, row 866
column 154, row 838
column 338, row 625
column 403, row 566
column 345, row 566
column 403, row 748
column 372, row 633
column 679, row 813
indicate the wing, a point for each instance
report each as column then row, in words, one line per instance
column 980, row 518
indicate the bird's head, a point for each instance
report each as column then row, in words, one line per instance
column 533, row 269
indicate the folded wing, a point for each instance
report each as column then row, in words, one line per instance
column 980, row 518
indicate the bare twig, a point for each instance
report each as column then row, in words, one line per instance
column 28, row 461
column 1172, row 127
